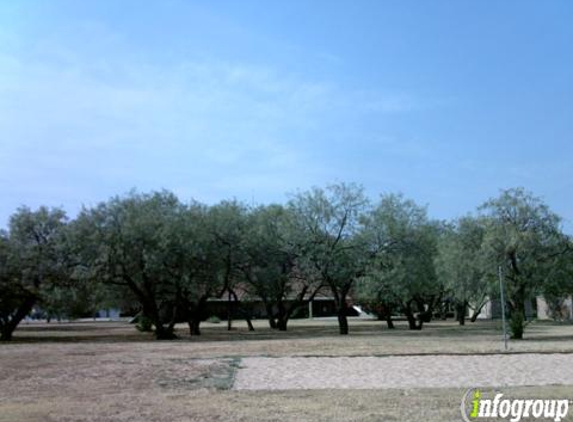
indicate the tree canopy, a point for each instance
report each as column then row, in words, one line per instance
column 168, row 259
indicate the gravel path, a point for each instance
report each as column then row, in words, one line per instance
column 404, row 372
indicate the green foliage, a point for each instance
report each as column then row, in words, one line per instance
column 558, row 284
column 270, row 266
column 332, row 246
column 461, row 263
column 144, row 324
column 227, row 225
column 153, row 253
column 129, row 243
column 403, row 244
column 34, row 259
column 524, row 238
column 171, row 257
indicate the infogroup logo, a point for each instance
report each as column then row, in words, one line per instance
column 475, row 406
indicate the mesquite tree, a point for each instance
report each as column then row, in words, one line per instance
column 204, row 247
column 33, row 259
column 401, row 276
column 523, row 237
column 273, row 270
column 227, row 225
column 126, row 244
column 558, row 284
column 334, row 248
column 460, row 265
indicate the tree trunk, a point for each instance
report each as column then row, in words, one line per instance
column 229, row 312
column 517, row 321
column 282, row 319
column 194, row 329
column 342, row 318
column 340, row 293
column 249, row 323
column 9, row 326
column 443, row 314
column 517, row 314
column 164, row 329
column 195, row 314
column 476, row 313
column 282, row 324
column 517, row 326
column 461, row 312
column 413, row 322
column 162, row 333
column 342, row 322
column 426, row 315
column 271, row 316
column 6, row 332
column 389, row 321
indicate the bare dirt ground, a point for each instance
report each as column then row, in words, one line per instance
column 110, row 372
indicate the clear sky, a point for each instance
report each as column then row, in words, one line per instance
column 445, row 101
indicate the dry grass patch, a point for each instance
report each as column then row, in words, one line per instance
column 317, row 337
column 436, row 405
column 111, row 372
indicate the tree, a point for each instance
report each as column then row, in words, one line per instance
column 330, row 220
column 272, row 269
column 126, row 243
column 523, row 237
column 228, row 225
column 199, row 264
column 402, row 275
column 460, row 265
column 558, row 284
column 32, row 260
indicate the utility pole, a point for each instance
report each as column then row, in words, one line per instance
column 502, row 306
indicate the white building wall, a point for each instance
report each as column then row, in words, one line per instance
column 543, row 309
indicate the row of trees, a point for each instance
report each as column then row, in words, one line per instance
column 168, row 258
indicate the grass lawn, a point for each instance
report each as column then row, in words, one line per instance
column 107, row 371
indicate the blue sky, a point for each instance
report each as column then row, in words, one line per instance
column 445, row 101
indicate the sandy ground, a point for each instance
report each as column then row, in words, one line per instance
column 404, row 372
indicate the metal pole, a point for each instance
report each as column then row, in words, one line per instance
column 502, row 307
